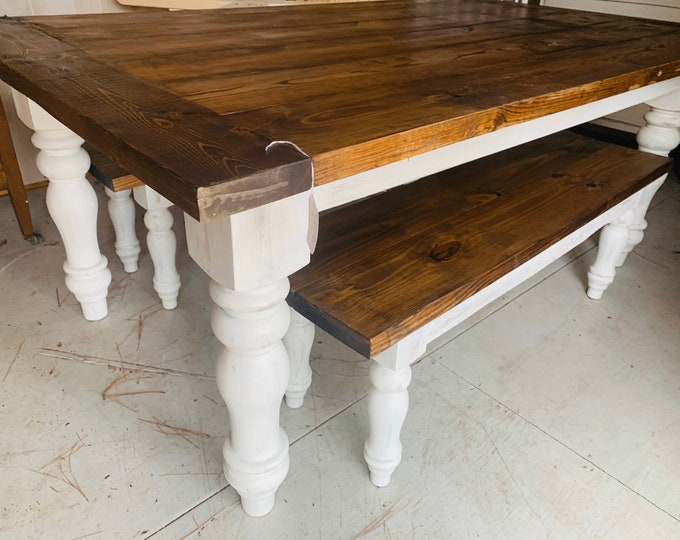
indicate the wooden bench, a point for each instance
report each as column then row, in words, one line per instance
column 160, row 238
column 395, row 271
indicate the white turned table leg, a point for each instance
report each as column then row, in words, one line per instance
column 122, row 214
column 298, row 341
column 162, row 244
column 661, row 132
column 387, row 408
column 72, row 203
column 252, row 374
column 249, row 257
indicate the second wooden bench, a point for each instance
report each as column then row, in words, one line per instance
column 395, row 271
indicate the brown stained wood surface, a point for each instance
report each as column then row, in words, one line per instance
column 187, row 101
column 386, row 266
column 109, row 173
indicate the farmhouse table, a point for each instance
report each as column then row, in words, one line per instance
column 252, row 120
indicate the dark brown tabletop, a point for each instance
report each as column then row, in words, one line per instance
column 189, row 101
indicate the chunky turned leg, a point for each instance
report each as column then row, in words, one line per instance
column 252, row 374
column 387, row 408
column 122, row 213
column 661, row 132
column 660, row 135
column 72, row 203
column 249, row 256
column 613, row 239
column 162, row 244
column 298, row 341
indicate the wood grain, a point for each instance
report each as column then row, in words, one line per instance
column 386, row 266
column 194, row 157
column 187, row 101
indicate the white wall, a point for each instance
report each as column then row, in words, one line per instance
column 15, row 8
column 665, row 10
column 21, row 135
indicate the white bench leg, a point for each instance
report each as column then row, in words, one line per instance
column 72, row 203
column 639, row 224
column 162, row 244
column 387, row 408
column 298, row 341
column 122, row 214
column 613, row 239
column 659, row 135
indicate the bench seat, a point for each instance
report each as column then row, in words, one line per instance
column 386, row 266
column 392, row 269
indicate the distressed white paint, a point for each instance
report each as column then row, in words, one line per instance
column 252, row 374
column 249, row 257
column 254, row 247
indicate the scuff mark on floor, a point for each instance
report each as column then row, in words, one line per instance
column 61, row 301
column 87, row 535
column 16, row 259
column 11, row 364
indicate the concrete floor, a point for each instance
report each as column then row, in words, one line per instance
column 548, row 415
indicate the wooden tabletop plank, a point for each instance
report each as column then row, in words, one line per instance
column 353, row 85
column 194, row 157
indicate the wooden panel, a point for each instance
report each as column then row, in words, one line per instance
column 11, row 179
column 187, row 101
column 386, row 266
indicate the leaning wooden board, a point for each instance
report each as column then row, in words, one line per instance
column 189, row 101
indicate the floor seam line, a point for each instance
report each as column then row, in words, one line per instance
column 564, row 445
